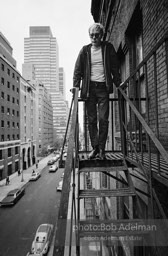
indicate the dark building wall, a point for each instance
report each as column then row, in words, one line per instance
column 155, row 25
column 155, row 16
column 150, row 17
column 11, row 102
column 9, row 119
column 121, row 15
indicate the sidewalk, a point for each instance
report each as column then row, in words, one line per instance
column 16, row 180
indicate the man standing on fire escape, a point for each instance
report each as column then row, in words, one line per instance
column 98, row 67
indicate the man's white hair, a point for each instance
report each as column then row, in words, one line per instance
column 97, row 26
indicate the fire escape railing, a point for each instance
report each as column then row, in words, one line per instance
column 64, row 237
column 140, row 138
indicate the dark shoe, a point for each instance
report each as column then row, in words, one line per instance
column 102, row 154
column 94, row 153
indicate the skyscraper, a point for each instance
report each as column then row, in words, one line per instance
column 62, row 81
column 41, row 50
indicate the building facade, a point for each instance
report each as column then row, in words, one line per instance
column 41, row 50
column 9, row 111
column 44, row 131
column 60, row 111
column 28, row 109
column 62, row 87
column 44, row 110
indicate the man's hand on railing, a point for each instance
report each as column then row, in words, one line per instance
column 73, row 90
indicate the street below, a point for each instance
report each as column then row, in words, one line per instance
column 40, row 204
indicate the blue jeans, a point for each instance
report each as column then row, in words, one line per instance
column 97, row 107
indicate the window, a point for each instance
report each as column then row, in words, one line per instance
column 13, row 112
column 8, row 71
column 17, row 90
column 134, row 36
column 18, row 136
column 17, row 79
column 8, row 137
column 18, row 113
column 13, row 136
column 18, row 102
column 138, row 48
column 2, row 81
column 8, row 124
column 2, row 95
column 13, row 124
column 18, row 125
column 2, row 123
column 0, row 154
column 8, row 84
column 16, row 150
column 13, row 75
column 8, row 111
column 2, row 67
column 8, row 97
column 9, row 152
column 13, row 87
column 2, row 109
column 2, row 137
column 13, row 100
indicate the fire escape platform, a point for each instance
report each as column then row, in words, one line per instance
column 114, row 159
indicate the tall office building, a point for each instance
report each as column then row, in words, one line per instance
column 41, row 50
column 62, row 81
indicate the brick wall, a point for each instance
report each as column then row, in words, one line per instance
column 155, row 25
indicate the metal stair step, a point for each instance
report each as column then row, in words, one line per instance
column 100, row 163
column 103, row 169
column 106, row 192
column 116, row 228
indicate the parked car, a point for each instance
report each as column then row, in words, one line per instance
column 12, row 197
column 42, row 240
column 53, row 168
column 55, row 158
column 35, row 176
column 64, row 156
column 51, row 162
column 59, row 188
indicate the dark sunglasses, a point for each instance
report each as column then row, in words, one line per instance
column 96, row 35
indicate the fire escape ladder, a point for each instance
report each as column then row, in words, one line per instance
column 114, row 227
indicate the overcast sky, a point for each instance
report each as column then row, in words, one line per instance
column 69, row 21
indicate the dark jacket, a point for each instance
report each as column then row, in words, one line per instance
column 83, row 68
